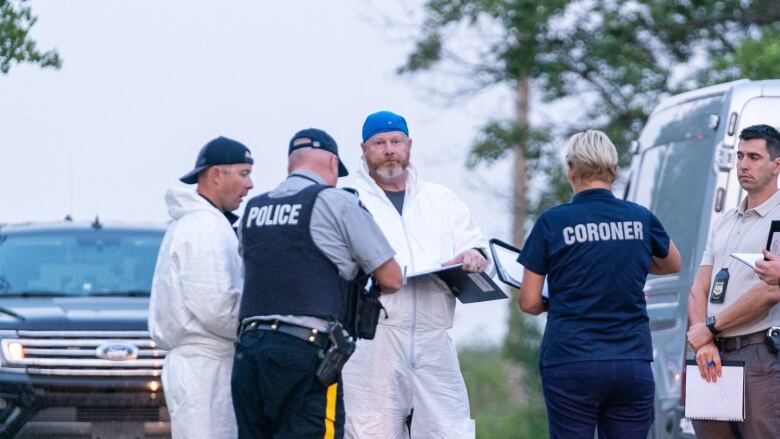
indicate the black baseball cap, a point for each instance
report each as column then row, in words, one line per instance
column 317, row 139
column 220, row 151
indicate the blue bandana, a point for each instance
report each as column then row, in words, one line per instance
column 383, row 122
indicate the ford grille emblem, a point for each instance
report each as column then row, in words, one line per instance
column 117, row 351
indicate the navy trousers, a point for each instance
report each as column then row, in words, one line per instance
column 616, row 396
column 276, row 393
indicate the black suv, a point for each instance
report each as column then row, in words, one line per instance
column 76, row 359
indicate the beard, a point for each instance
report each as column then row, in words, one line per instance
column 390, row 170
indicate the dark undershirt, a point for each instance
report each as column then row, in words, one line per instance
column 397, row 198
column 230, row 216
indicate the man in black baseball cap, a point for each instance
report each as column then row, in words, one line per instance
column 318, row 139
column 220, row 151
column 222, row 172
column 197, row 285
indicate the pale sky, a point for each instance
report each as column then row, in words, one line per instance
column 146, row 83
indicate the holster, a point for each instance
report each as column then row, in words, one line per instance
column 773, row 339
column 364, row 309
column 335, row 355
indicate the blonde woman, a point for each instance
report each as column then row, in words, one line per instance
column 595, row 252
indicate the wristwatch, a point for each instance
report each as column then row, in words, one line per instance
column 710, row 323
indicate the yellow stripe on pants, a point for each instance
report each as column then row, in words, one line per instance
column 330, row 411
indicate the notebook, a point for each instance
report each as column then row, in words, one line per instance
column 723, row 400
column 748, row 259
column 772, row 246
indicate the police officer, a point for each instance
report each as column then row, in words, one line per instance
column 730, row 310
column 301, row 243
column 596, row 252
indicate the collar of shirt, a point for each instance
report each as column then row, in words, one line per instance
column 230, row 216
column 308, row 175
column 295, row 182
column 591, row 194
column 762, row 209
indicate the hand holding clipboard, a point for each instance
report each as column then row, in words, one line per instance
column 768, row 270
column 508, row 269
column 767, row 263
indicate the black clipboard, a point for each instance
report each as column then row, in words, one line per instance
column 467, row 286
column 502, row 251
column 773, row 240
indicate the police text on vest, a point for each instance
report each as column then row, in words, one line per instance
column 589, row 232
column 275, row 214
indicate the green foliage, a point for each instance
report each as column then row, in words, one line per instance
column 426, row 53
column 606, row 55
column 554, row 181
column 512, row 52
column 756, row 58
column 501, row 406
column 521, row 345
column 759, row 58
column 618, row 55
column 714, row 26
column 16, row 45
column 497, row 138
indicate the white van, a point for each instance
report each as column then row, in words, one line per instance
column 683, row 170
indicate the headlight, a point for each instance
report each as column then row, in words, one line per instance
column 11, row 349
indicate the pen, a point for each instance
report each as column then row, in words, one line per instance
column 710, row 363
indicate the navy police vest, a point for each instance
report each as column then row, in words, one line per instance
column 285, row 272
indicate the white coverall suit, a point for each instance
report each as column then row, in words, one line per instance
column 412, row 362
column 193, row 313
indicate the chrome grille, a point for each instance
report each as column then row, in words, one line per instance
column 78, row 353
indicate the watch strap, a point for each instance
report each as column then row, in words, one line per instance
column 710, row 323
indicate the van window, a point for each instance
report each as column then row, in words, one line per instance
column 760, row 110
column 676, row 148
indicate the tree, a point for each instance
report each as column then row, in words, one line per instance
column 755, row 58
column 509, row 59
column 16, row 45
column 611, row 60
column 617, row 57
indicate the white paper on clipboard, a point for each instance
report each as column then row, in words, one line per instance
column 505, row 257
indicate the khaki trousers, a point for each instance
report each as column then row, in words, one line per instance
column 762, row 398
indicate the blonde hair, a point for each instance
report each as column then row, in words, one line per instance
column 592, row 156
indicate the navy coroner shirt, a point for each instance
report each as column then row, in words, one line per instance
column 596, row 252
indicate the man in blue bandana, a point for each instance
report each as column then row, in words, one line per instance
column 411, row 364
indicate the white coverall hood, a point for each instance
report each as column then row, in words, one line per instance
column 435, row 227
column 412, row 362
column 180, row 202
column 193, row 313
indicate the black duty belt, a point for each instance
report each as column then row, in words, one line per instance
column 728, row 344
column 311, row 335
